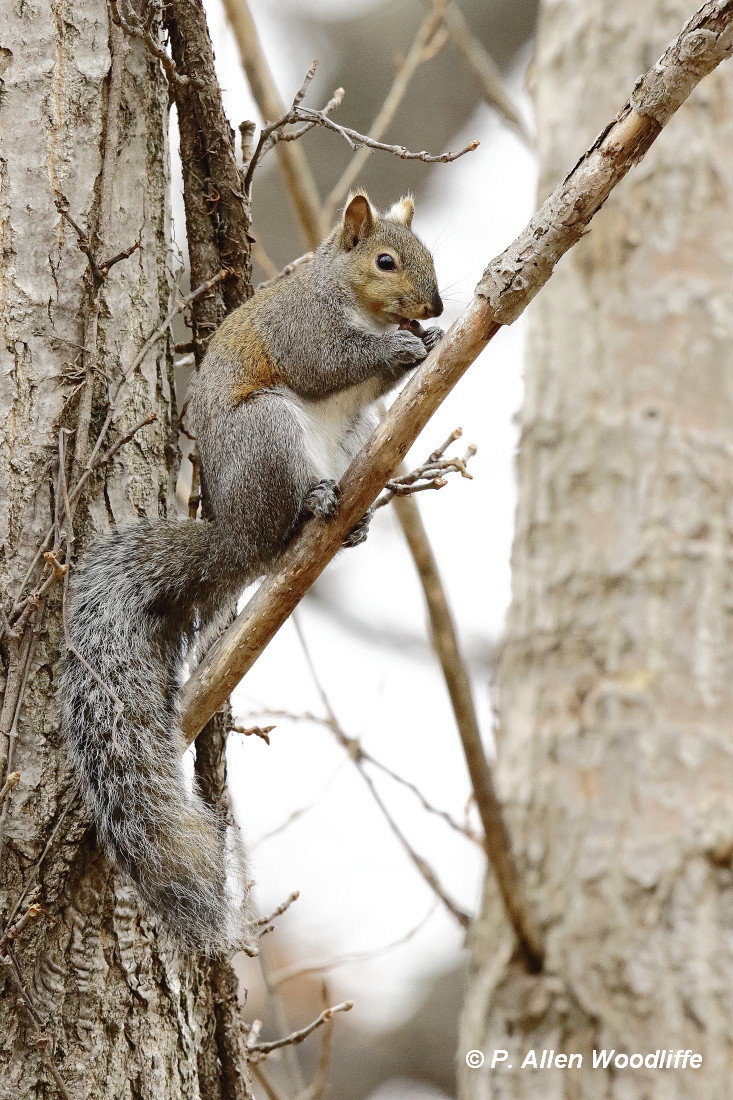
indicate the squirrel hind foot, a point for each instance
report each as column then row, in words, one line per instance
column 322, row 499
column 360, row 530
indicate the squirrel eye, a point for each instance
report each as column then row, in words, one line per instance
column 385, row 262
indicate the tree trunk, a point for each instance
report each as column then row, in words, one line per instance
column 95, row 1000
column 615, row 686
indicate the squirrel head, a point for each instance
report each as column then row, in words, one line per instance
column 390, row 271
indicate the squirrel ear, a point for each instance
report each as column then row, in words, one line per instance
column 402, row 211
column 358, row 221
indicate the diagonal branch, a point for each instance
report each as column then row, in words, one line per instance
column 508, row 284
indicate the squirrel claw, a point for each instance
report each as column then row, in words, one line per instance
column 322, row 500
column 359, row 531
column 431, row 337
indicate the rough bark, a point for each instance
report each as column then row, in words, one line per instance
column 112, row 1008
column 614, row 688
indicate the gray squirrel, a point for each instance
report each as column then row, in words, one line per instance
column 284, row 399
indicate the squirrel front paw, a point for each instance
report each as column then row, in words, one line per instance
column 406, row 349
column 322, row 500
column 431, row 337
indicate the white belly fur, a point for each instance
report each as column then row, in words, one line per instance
column 334, row 428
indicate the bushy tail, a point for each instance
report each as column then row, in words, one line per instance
column 137, row 597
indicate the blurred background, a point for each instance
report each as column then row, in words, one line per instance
column 366, row 921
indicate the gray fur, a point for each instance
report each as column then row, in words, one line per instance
column 141, row 595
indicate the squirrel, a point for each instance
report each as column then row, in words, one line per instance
column 283, row 400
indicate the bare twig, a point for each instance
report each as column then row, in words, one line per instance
column 126, row 438
column 356, row 753
column 317, row 1087
column 300, row 114
column 303, row 1033
column 285, row 118
column 296, row 815
column 420, row 52
column 468, row 833
column 485, row 70
column 263, row 732
column 497, row 842
column 295, row 135
column 16, row 683
column 508, row 285
column 32, row 911
column 83, row 238
column 125, row 254
column 125, row 17
column 359, row 754
column 278, row 275
column 289, row 973
column 262, row 922
column 157, row 334
column 431, row 475
column 291, row 1060
column 261, row 258
column 271, row 1092
column 8, row 785
column 299, row 180
column 424, row 869
column 29, row 884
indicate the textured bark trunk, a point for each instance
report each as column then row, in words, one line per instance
column 615, row 691
column 95, row 999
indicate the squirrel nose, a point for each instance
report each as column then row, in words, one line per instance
column 434, row 307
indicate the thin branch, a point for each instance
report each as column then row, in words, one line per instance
column 289, row 973
column 263, row 732
column 430, row 475
column 8, row 785
column 291, row 1060
column 284, row 118
column 497, row 843
column 420, row 51
column 509, row 283
column 298, row 1036
column 359, row 754
column 157, row 334
column 298, row 114
column 421, row 865
column 278, row 275
column 299, row 181
column 28, row 888
column 356, row 753
column 469, row 834
column 296, row 815
column 132, row 24
column 33, row 910
column 271, row 1092
column 16, row 683
column 262, row 922
column 294, row 135
column 317, row 1087
column 485, row 70
column 126, row 438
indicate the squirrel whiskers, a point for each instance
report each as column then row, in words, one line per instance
column 283, row 401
